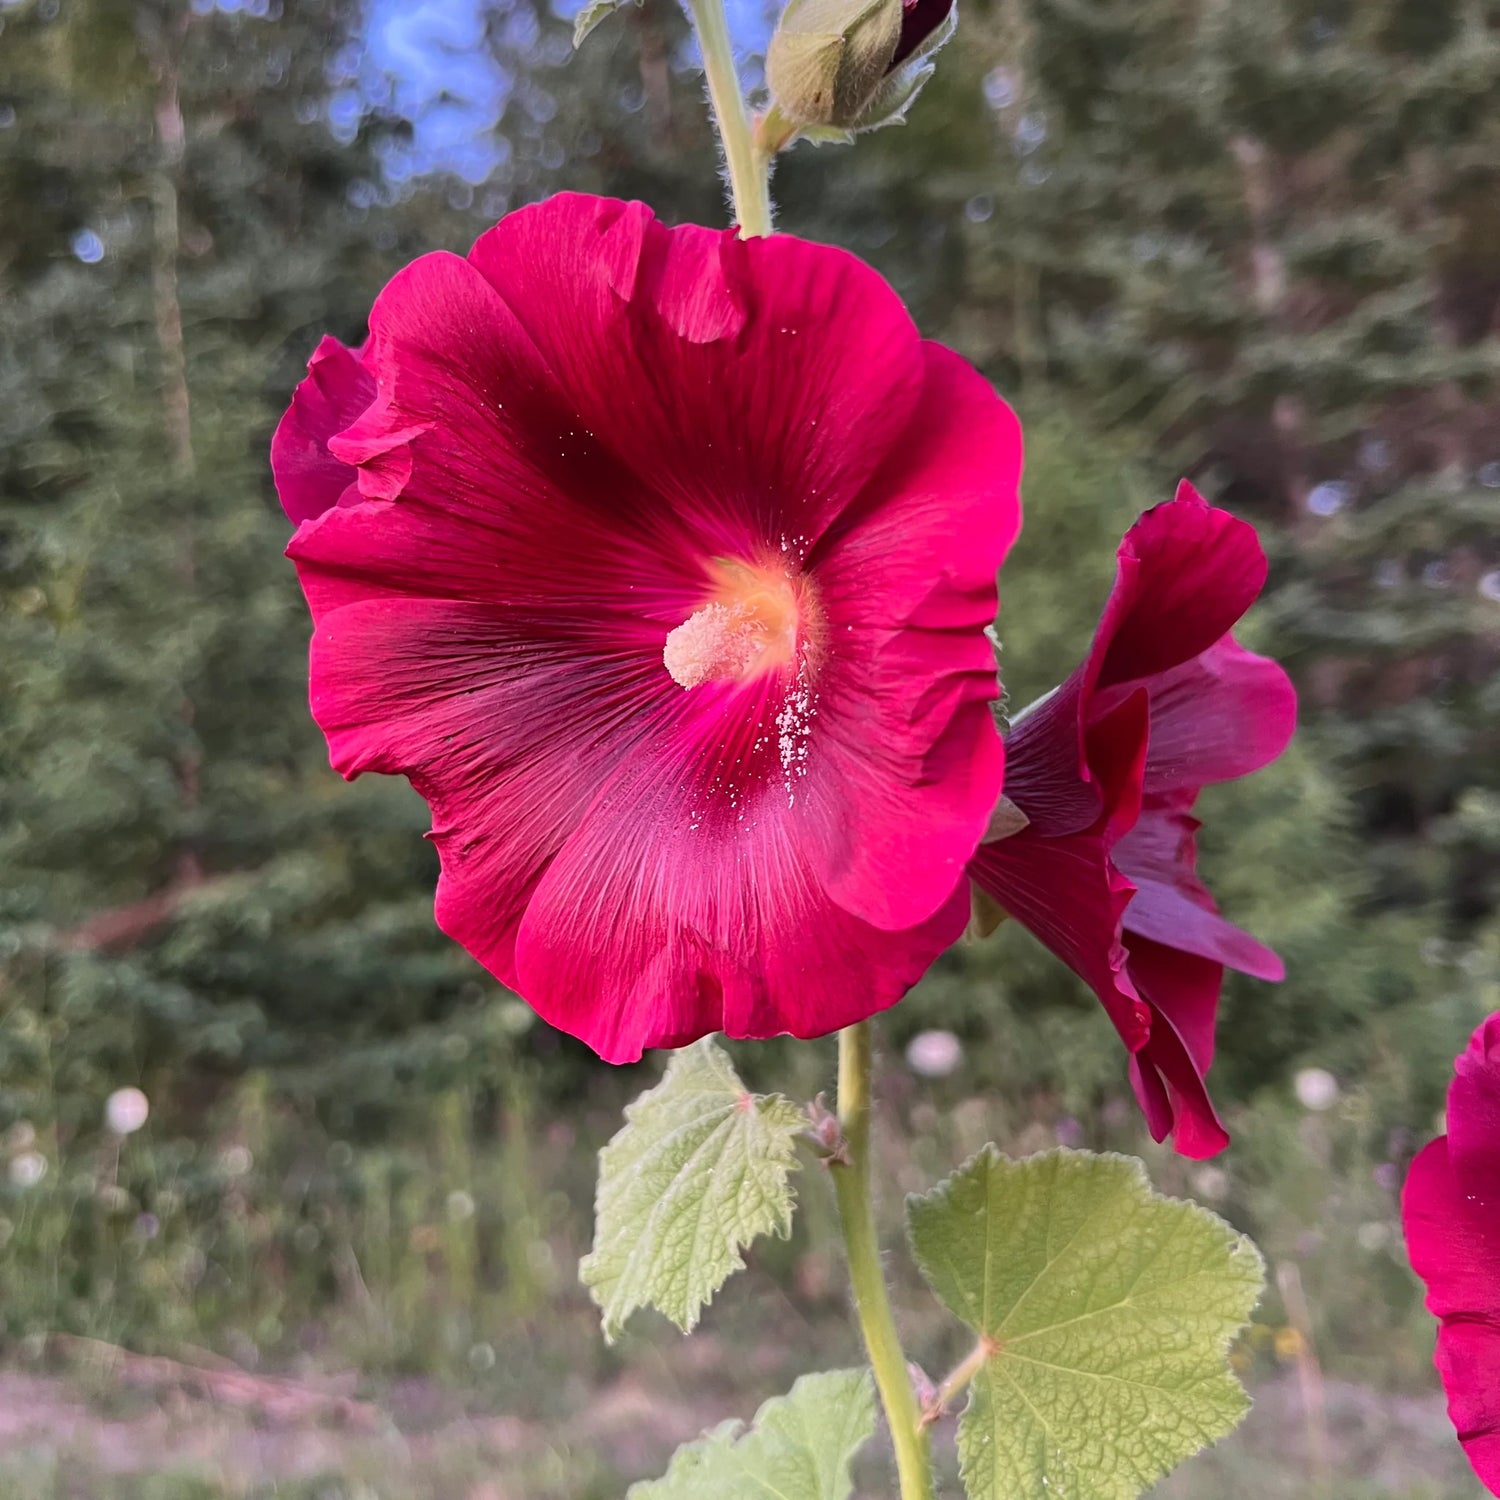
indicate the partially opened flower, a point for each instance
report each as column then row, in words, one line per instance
column 1104, row 772
column 1450, row 1209
column 851, row 64
column 660, row 562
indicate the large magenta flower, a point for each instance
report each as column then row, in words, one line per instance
column 1451, row 1212
column 1106, row 770
column 660, row 562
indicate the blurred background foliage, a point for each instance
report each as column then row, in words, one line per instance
column 1258, row 245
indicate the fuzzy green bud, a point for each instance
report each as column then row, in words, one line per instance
column 828, row 58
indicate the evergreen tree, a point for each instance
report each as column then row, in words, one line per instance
column 185, row 879
column 1263, row 237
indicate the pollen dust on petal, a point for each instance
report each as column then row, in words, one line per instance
column 716, row 641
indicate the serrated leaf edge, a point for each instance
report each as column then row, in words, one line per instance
column 767, row 1105
column 1240, row 1248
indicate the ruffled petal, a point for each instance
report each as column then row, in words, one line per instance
column 506, row 738
column 776, row 373
column 1047, row 772
column 1067, row 892
column 1172, row 906
column 1474, row 1121
column 906, row 746
column 1067, row 895
column 1224, row 714
column 1468, row 1362
column 686, row 902
column 1169, row 1072
column 468, row 430
column 1187, row 573
column 338, row 388
column 1454, row 1244
column 1163, row 914
column 1456, row 1252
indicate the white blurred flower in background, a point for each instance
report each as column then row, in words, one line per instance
column 28, row 1169
column 126, row 1110
column 1211, row 1184
column 934, row 1054
column 1316, row 1088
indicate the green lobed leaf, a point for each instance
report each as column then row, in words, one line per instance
column 699, row 1170
column 798, row 1448
column 1111, row 1310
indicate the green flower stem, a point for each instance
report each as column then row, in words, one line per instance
column 749, row 170
column 851, row 1185
column 772, row 133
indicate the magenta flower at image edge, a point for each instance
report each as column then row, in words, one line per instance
column 1450, row 1210
column 1106, row 771
column 660, row 562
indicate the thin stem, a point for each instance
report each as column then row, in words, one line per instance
column 851, row 1184
column 957, row 1378
column 749, row 170
column 771, row 133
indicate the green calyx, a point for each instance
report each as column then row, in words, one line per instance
column 828, row 59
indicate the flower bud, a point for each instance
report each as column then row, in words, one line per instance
column 828, row 58
column 832, row 74
column 921, row 22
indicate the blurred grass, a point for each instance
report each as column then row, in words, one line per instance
column 429, row 1280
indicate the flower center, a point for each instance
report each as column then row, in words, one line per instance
column 748, row 625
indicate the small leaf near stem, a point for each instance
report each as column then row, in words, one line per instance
column 699, row 1170
column 749, row 169
column 851, row 1184
column 799, row 1444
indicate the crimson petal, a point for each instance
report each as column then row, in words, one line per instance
column 1169, row 1072
column 336, row 391
column 1188, row 572
column 1456, row 1252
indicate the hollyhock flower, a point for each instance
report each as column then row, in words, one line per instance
column 660, row 562
column 1104, row 772
column 1450, row 1209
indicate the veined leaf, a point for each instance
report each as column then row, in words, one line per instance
column 1110, row 1310
column 698, row 1171
column 798, row 1448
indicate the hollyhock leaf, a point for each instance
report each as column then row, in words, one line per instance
column 591, row 15
column 1110, row 1310
column 699, row 1170
column 798, row 1447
